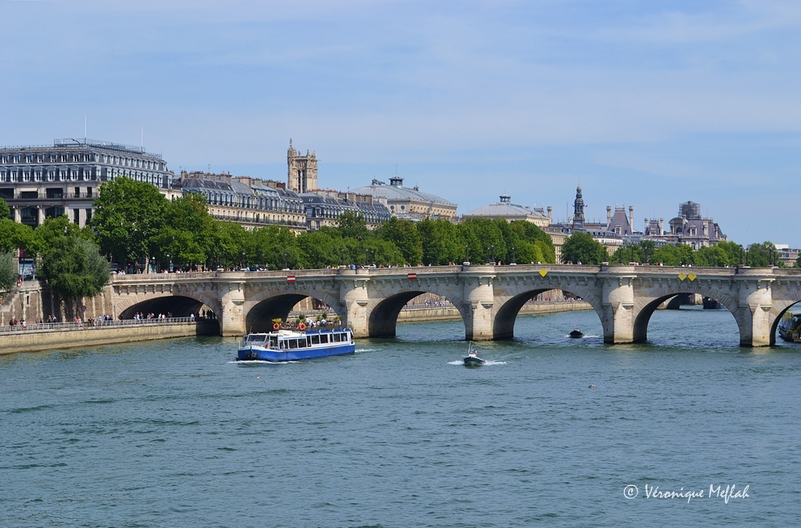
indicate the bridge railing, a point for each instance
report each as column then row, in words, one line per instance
column 85, row 325
column 450, row 269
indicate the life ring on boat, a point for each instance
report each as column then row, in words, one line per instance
column 276, row 326
column 302, row 326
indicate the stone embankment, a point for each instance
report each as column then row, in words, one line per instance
column 46, row 336
column 448, row 313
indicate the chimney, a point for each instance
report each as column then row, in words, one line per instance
column 631, row 217
column 608, row 214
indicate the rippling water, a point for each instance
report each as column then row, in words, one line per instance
column 174, row 433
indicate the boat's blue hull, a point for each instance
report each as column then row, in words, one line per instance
column 297, row 354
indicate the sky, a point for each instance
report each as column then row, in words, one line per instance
column 647, row 104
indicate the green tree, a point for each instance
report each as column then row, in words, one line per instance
column 484, row 239
column 711, row 257
column 15, row 236
column 228, row 245
column 440, row 242
column 670, row 255
column 319, row 249
column 5, row 210
column 580, row 247
column 733, row 252
column 762, row 255
column 73, row 267
column 273, row 247
column 184, row 236
column 530, row 243
column 8, row 270
column 127, row 218
column 353, row 225
column 404, row 235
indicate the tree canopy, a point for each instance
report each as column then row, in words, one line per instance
column 581, row 248
column 127, row 219
column 70, row 263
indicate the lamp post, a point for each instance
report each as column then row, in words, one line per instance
column 513, row 255
column 491, row 254
column 341, row 256
column 467, row 252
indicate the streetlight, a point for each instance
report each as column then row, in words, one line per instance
column 466, row 252
column 513, row 255
column 341, row 256
column 491, row 254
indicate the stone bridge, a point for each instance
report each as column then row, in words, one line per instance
column 488, row 297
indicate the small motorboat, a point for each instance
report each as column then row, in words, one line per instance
column 472, row 359
column 576, row 333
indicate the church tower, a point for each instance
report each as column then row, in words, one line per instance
column 578, row 210
column 301, row 170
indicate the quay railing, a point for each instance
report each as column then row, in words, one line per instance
column 95, row 325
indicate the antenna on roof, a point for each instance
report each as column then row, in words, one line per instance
column 84, row 128
column 142, row 144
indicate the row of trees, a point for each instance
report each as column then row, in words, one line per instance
column 133, row 222
column 68, row 257
column 135, row 225
column 581, row 247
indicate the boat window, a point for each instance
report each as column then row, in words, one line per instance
column 335, row 337
column 323, row 338
column 315, row 339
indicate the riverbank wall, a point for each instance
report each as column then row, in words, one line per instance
column 449, row 313
column 33, row 339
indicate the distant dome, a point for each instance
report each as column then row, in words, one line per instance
column 509, row 211
column 396, row 191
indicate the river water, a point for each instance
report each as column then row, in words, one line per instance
column 174, row 433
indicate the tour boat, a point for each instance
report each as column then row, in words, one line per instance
column 472, row 359
column 290, row 345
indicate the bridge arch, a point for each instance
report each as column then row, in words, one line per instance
column 506, row 314
column 782, row 308
column 266, row 305
column 163, row 303
column 383, row 316
column 646, row 305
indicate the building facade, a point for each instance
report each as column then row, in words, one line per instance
column 62, row 179
column 247, row 201
column 323, row 208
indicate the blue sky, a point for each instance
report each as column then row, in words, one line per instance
column 644, row 103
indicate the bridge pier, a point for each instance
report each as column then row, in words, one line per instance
column 480, row 316
column 754, row 317
column 618, row 309
column 232, row 318
column 354, row 297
